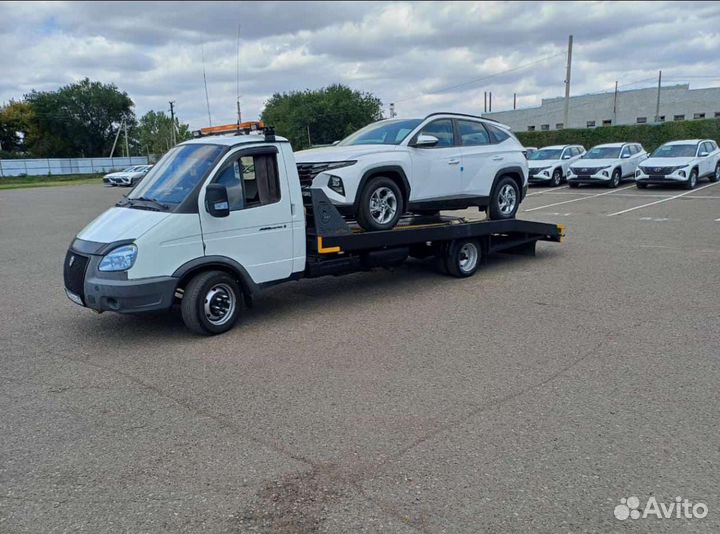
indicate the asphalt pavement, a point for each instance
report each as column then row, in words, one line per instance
column 530, row 398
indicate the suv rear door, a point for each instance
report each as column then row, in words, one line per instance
column 482, row 156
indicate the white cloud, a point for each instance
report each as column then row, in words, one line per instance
column 403, row 52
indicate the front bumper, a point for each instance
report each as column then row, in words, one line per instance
column 86, row 286
column 656, row 179
column 588, row 179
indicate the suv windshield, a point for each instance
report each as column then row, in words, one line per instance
column 545, row 154
column 603, row 152
column 675, row 151
column 391, row 132
column 177, row 173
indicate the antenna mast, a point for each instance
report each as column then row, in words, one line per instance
column 207, row 97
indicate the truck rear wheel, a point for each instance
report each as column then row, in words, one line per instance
column 463, row 257
column 211, row 303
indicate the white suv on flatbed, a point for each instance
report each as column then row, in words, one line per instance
column 681, row 163
column 607, row 164
column 443, row 161
column 550, row 164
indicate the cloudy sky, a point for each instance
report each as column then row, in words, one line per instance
column 422, row 56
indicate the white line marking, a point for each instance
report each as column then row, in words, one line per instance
column 583, row 198
column 546, row 191
column 663, row 200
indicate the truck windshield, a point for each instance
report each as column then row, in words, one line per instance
column 391, row 132
column 177, row 173
column 603, row 152
column 543, row 153
column 675, row 151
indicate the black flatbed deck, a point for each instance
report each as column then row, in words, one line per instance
column 330, row 235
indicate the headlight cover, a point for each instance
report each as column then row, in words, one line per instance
column 119, row 259
column 339, row 164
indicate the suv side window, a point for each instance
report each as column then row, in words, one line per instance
column 443, row 130
column 473, row 133
column 625, row 151
column 251, row 180
column 498, row 135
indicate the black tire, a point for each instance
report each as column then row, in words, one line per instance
column 364, row 214
column 211, row 288
column 573, row 185
column 504, row 209
column 615, row 179
column 463, row 257
column 641, row 186
column 557, row 178
column 691, row 182
column 714, row 177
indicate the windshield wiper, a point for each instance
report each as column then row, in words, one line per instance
column 131, row 202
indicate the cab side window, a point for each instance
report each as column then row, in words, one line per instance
column 251, row 180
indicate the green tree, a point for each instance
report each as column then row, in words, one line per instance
column 154, row 132
column 18, row 127
column 80, row 119
column 328, row 114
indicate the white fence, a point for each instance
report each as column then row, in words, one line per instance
column 58, row 166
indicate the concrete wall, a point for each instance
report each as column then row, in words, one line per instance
column 631, row 105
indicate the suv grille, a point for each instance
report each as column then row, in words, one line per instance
column 74, row 273
column 658, row 170
column 308, row 171
column 586, row 171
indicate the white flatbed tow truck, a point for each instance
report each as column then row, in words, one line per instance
column 218, row 219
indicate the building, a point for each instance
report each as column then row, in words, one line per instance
column 636, row 106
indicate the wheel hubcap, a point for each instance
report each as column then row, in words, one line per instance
column 219, row 304
column 383, row 205
column 507, row 199
column 468, row 257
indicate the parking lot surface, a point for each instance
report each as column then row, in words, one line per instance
column 532, row 397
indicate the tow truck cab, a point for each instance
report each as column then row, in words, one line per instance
column 218, row 218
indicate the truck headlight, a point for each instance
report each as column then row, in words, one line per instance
column 336, row 184
column 119, row 259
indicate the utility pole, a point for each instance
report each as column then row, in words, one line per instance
column 485, row 102
column 490, row 102
column 127, row 147
column 308, row 132
column 657, row 105
column 172, row 122
column 116, row 138
column 514, row 100
column 615, row 104
column 566, row 120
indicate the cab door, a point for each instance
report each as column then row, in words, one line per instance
column 258, row 232
column 705, row 157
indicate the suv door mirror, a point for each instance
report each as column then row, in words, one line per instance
column 216, row 200
column 566, row 156
column 703, row 154
column 334, row 143
column 426, row 141
column 626, row 155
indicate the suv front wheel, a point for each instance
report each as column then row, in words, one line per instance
column 381, row 204
column 505, row 199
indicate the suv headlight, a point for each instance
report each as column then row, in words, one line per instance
column 340, row 164
column 336, row 184
column 119, row 259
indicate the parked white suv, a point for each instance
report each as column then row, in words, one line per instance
column 682, row 163
column 129, row 177
column 607, row 164
column 550, row 164
column 444, row 161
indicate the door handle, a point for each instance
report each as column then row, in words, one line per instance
column 498, row 158
column 453, row 161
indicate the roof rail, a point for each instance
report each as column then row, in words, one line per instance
column 461, row 115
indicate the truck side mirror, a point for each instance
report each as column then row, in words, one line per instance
column 216, row 200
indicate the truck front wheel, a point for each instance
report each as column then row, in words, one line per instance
column 211, row 303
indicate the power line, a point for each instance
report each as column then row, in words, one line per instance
column 477, row 80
